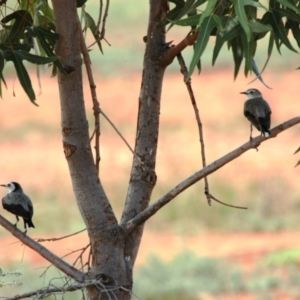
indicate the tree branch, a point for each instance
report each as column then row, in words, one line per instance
column 189, row 40
column 152, row 209
column 43, row 251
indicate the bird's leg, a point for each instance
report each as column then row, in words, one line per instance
column 25, row 226
column 17, row 221
column 251, row 128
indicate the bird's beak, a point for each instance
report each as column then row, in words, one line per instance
column 243, row 93
column 3, row 185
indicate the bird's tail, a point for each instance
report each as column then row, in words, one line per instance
column 28, row 223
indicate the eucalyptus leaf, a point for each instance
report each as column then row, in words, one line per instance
column 208, row 11
column 241, row 14
column 255, row 4
column 23, row 76
column 90, row 23
column 190, row 21
column 208, row 25
column 238, row 54
column 290, row 5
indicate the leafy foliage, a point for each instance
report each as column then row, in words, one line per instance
column 31, row 27
column 20, row 28
column 240, row 24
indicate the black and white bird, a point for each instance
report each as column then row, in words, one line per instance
column 18, row 204
column 258, row 112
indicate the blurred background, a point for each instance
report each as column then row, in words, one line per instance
column 189, row 250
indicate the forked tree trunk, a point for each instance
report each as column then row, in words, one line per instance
column 113, row 252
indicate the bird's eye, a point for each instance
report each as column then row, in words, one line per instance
column 251, row 92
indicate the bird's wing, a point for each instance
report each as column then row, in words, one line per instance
column 252, row 118
column 17, row 209
column 267, row 107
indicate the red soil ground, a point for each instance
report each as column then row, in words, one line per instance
column 221, row 108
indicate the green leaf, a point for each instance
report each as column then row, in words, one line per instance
column 297, row 150
column 35, row 59
column 241, row 14
column 258, row 73
column 181, row 9
column 274, row 19
column 190, row 21
column 21, row 19
column 238, row 54
column 90, row 23
column 247, row 47
column 230, row 35
column 207, row 12
column 2, row 61
column 288, row 14
column 208, row 25
column 258, row 27
column 43, row 35
column 23, row 76
column 289, row 5
column 294, row 26
column 254, row 4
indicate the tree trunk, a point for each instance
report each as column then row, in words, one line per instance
column 113, row 253
column 143, row 176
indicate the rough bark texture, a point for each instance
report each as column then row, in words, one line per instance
column 113, row 252
column 107, row 238
column 143, row 177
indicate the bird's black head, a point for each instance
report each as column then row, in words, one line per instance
column 13, row 187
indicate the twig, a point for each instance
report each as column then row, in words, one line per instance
column 80, row 255
column 99, row 18
column 188, row 82
column 102, row 33
column 189, row 40
column 68, row 254
column 43, row 251
column 226, row 204
column 96, row 105
column 60, row 238
column 179, row 188
column 121, row 136
column 51, row 289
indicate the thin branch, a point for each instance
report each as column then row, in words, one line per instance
column 68, row 254
column 43, row 251
column 99, row 17
column 226, row 204
column 156, row 206
column 189, row 40
column 51, row 289
column 80, row 255
column 60, row 238
column 188, row 82
column 105, row 15
column 96, row 105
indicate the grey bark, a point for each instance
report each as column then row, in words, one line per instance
column 113, row 253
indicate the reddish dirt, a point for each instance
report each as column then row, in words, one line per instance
column 225, row 129
column 245, row 249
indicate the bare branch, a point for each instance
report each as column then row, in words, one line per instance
column 43, row 251
column 96, row 105
column 189, row 40
column 102, row 33
column 188, row 82
column 152, row 209
column 52, row 289
column 60, row 238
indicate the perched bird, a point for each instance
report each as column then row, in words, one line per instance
column 258, row 112
column 18, row 204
